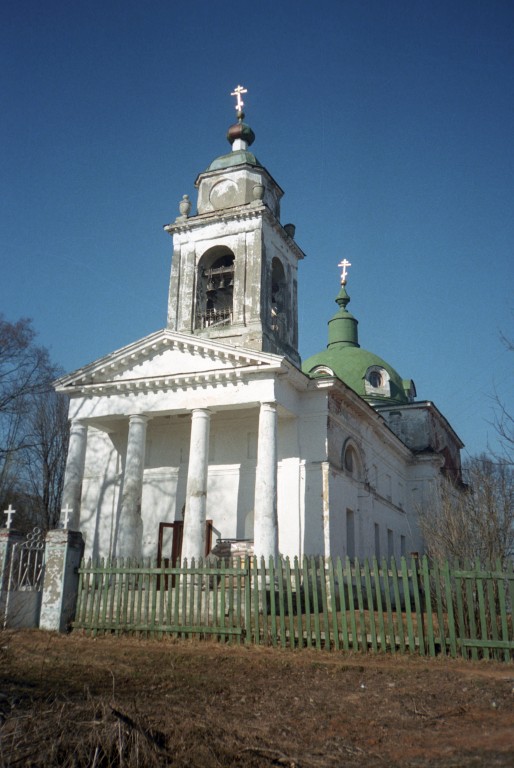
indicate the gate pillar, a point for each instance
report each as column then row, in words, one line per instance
column 8, row 538
column 64, row 550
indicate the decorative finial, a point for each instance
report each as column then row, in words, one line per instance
column 237, row 92
column 344, row 264
column 184, row 206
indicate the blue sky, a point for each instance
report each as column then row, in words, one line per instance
column 388, row 123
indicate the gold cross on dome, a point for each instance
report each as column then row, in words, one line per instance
column 344, row 264
column 237, row 92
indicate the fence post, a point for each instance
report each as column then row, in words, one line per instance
column 64, row 549
column 8, row 538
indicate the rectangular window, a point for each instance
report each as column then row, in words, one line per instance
column 402, row 546
column 350, row 533
column 377, row 541
column 390, row 543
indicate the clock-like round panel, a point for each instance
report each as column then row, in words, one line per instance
column 224, row 194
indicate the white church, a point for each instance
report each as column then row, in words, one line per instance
column 212, row 435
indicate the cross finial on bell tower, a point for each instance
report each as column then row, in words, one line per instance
column 238, row 92
column 344, row 264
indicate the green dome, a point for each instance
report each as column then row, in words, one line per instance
column 367, row 374
column 356, row 366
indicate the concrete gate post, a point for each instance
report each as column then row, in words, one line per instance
column 64, row 550
column 8, row 538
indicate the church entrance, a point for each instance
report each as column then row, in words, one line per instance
column 168, row 553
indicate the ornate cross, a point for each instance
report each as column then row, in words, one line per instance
column 9, row 512
column 344, row 263
column 237, row 92
column 66, row 511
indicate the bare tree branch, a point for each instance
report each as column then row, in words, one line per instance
column 33, row 426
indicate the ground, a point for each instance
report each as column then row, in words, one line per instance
column 78, row 701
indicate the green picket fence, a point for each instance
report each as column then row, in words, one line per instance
column 411, row 607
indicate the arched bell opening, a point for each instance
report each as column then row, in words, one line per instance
column 215, row 288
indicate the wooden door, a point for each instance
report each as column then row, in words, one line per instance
column 172, row 558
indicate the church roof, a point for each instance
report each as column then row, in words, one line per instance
column 166, row 360
column 236, row 157
column 351, row 365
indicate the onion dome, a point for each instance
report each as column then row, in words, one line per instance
column 240, row 132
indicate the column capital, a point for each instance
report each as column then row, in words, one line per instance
column 142, row 418
column 77, row 424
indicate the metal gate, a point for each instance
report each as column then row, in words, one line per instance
column 22, row 604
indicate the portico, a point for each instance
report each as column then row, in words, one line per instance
column 128, row 472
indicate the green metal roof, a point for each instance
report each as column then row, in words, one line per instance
column 239, row 157
column 350, row 365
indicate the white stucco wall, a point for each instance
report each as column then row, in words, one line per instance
column 314, row 490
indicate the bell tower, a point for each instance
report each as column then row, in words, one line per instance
column 234, row 265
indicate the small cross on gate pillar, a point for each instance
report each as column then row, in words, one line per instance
column 66, row 513
column 9, row 512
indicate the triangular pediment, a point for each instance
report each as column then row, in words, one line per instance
column 167, row 358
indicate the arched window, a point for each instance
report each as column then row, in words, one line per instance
column 278, row 297
column 376, row 381
column 351, row 460
column 322, row 370
column 215, row 288
column 375, row 378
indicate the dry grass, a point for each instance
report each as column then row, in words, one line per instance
column 74, row 701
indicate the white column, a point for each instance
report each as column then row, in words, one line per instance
column 265, row 537
column 193, row 541
column 74, row 473
column 130, row 526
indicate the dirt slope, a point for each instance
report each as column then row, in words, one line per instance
column 74, row 701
